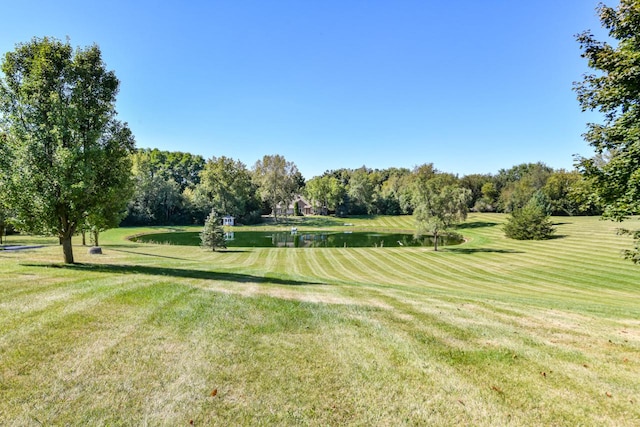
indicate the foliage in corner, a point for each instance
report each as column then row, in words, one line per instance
column 614, row 91
column 632, row 254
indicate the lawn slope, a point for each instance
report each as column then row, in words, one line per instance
column 491, row 332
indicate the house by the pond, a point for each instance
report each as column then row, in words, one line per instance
column 228, row 221
column 304, row 207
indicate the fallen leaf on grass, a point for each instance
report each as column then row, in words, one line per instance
column 608, row 394
column 496, row 388
column 214, row 392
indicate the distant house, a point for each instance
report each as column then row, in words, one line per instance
column 228, row 221
column 305, row 207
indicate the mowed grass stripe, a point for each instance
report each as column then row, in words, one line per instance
column 77, row 306
column 73, row 297
column 323, row 268
column 358, row 260
column 78, row 370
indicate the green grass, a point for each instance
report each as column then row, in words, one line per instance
column 492, row 332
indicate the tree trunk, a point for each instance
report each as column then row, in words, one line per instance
column 435, row 241
column 67, row 249
column 84, row 239
column 95, row 238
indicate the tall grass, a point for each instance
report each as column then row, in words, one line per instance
column 492, row 332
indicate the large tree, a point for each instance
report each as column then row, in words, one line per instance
column 614, row 91
column 277, row 180
column 326, row 191
column 68, row 153
column 226, row 186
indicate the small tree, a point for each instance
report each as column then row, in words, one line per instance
column 530, row 222
column 212, row 235
column 438, row 206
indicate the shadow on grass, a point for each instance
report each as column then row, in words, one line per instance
column 478, row 224
column 145, row 254
column 480, row 250
column 174, row 272
column 112, row 247
column 556, row 236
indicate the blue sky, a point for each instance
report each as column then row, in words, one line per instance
column 471, row 86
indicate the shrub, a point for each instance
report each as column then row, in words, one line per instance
column 530, row 222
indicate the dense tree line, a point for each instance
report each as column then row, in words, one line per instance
column 182, row 188
column 393, row 191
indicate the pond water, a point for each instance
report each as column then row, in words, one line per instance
column 301, row 239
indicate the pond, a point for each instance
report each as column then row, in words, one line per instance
column 301, row 239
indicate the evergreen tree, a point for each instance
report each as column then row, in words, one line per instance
column 212, row 235
column 531, row 222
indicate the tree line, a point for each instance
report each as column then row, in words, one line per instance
column 181, row 188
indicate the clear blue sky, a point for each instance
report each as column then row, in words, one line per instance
column 471, row 86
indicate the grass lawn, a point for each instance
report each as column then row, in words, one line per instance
column 491, row 332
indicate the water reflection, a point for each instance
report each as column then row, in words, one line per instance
column 304, row 239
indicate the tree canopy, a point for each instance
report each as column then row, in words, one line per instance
column 226, row 186
column 66, row 154
column 326, row 191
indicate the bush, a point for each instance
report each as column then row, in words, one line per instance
column 530, row 222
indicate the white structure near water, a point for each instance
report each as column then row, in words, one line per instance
column 228, row 220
